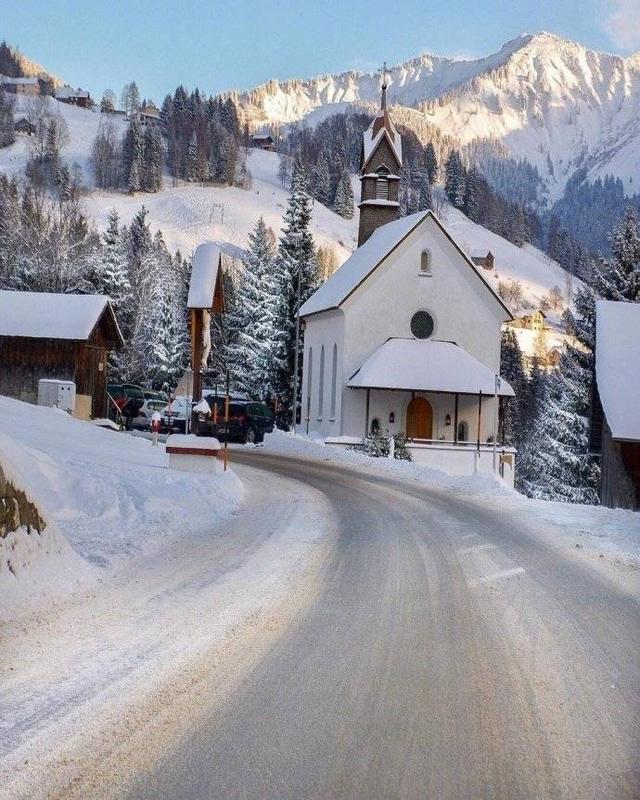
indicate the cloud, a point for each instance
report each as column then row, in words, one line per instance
column 622, row 23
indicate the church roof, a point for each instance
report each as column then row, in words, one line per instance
column 381, row 127
column 368, row 257
column 618, row 366
column 427, row 365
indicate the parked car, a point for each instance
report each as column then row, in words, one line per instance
column 128, row 398
column 248, row 420
column 142, row 420
column 174, row 414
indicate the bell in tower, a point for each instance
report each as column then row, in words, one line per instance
column 381, row 163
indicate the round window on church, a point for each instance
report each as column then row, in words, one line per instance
column 422, row 325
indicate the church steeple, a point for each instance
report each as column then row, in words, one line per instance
column 380, row 168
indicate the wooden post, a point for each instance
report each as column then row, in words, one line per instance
column 366, row 424
column 226, row 425
column 455, row 419
column 479, row 417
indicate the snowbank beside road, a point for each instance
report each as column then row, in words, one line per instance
column 107, row 498
column 601, row 532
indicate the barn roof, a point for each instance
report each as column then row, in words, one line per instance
column 44, row 315
column 369, row 256
column 618, row 366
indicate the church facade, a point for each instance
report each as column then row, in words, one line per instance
column 405, row 336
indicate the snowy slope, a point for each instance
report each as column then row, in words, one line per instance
column 545, row 98
column 188, row 214
column 535, row 270
column 81, row 125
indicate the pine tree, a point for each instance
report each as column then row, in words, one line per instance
column 471, row 200
column 296, row 275
column 511, row 368
column 619, row 277
column 430, row 163
column 252, row 323
column 133, row 157
column 425, row 198
column 192, row 159
column 322, row 180
column 152, row 163
column 343, row 201
column 455, row 181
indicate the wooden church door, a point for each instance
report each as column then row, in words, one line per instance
column 419, row 419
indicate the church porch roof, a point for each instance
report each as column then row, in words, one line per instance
column 427, row 366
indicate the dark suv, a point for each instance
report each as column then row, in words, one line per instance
column 248, row 420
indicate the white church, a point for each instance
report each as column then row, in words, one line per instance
column 405, row 336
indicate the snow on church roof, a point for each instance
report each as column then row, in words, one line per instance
column 618, row 366
column 43, row 315
column 364, row 260
column 427, row 365
column 371, row 141
column 367, row 257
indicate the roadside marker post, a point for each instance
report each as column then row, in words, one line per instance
column 226, row 425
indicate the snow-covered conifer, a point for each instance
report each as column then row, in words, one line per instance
column 343, row 201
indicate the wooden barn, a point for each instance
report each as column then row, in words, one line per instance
column 615, row 432
column 263, row 141
column 59, row 336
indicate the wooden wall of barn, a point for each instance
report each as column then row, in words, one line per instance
column 620, row 473
column 24, row 361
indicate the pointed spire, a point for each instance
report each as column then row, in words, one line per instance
column 383, row 101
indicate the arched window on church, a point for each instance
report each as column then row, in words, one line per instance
column 309, row 380
column 425, row 262
column 334, row 381
column 321, row 384
column 382, row 184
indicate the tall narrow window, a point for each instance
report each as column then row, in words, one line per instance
column 321, row 384
column 334, row 380
column 425, row 262
column 309, row 382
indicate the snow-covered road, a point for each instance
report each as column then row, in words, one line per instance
column 453, row 652
column 87, row 679
column 348, row 633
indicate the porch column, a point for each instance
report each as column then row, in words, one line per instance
column 366, row 424
column 455, row 420
column 479, row 417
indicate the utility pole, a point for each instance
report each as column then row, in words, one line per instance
column 295, row 354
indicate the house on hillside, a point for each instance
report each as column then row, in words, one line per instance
column 73, row 97
column 58, row 336
column 536, row 321
column 21, row 86
column 263, row 141
column 148, row 116
column 615, row 427
column 405, row 336
column 25, row 127
column 486, row 261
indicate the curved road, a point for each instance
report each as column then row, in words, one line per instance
column 451, row 653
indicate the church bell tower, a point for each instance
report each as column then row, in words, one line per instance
column 381, row 163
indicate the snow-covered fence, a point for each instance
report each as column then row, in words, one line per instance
column 194, row 453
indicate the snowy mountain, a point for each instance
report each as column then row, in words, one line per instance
column 548, row 100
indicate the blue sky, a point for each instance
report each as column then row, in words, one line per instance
column 221, row 45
